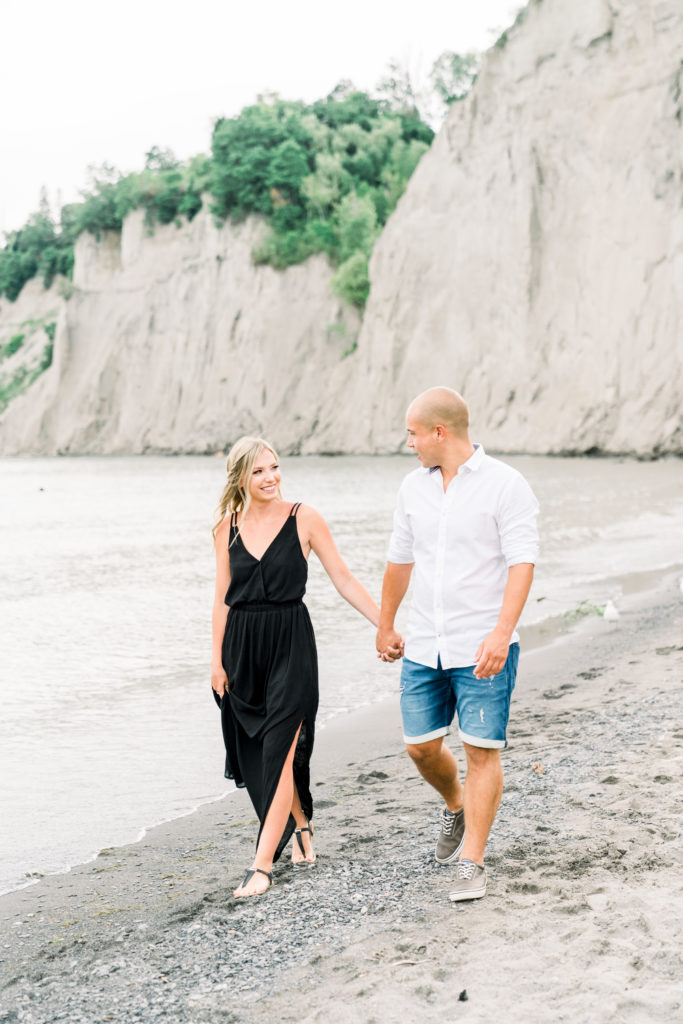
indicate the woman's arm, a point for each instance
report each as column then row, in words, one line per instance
column 219, row 680
column 320, row 541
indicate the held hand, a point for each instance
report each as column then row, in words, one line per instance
column 389, row 644
column 219, row 680
column 491, row 654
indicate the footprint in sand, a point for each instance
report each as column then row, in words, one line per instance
column 371, row 777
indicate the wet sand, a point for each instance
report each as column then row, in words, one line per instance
column 583, row 920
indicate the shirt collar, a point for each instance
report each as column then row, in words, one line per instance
column 476, row 458
column 473, row 463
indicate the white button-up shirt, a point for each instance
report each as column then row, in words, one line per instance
column 463, row 541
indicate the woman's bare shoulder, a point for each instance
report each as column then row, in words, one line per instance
column 307, row 512
column 312, row 522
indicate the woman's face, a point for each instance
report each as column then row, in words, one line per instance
column 264, row 483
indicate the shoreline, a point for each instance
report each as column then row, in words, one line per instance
column 568, row 454
column 636, row 586
column 583, row 919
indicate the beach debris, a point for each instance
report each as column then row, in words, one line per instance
column 463, row 997
column 582, row 609
column 610, row 612
column 538, row 767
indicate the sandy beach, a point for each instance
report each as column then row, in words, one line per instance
column 583, row 920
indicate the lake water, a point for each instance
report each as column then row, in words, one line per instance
column 108, row 723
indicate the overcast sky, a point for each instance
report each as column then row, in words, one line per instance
column 85, row 83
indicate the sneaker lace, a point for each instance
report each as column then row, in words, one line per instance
column 447, row 822
column 466, row 869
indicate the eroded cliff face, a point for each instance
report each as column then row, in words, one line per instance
column 535, row 263
column 176, row 341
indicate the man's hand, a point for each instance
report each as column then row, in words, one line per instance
column 389, row 644
column 492, row 654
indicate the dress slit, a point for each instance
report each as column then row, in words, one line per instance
column 301, row 770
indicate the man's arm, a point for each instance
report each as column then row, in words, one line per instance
column 493, row 650
column 396, row 579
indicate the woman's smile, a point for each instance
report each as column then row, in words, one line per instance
column 265, row 477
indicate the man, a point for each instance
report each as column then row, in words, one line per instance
column 467, row 523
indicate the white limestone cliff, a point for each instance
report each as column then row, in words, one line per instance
column 176, row 341
column 535, row 263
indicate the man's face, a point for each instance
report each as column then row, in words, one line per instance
column 422, row 441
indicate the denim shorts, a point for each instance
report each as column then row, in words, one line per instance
column 431, row 696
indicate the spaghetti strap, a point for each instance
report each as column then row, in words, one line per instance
column 294, row 509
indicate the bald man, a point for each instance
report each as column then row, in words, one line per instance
column 467, row 524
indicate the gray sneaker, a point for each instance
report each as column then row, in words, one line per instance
column 470, row 881
column 451, row 836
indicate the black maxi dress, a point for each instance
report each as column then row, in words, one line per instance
column 270, row 659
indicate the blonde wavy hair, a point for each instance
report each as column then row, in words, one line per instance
column 240, row 464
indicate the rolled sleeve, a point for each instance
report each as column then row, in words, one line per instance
column 401, row 544
column 517, row 523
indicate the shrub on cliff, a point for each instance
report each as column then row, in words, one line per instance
column 326, row 176
column 36, row 248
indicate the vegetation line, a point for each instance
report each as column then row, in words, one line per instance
column 325, row 176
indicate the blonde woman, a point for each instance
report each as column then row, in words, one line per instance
column 264, row 669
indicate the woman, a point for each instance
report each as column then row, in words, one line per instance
column 264, row 668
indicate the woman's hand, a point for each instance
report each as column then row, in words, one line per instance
column 219, row 680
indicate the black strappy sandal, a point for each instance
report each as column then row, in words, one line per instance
column 250, row 873
column 297, row 834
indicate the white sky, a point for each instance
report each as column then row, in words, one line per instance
column 84, row 82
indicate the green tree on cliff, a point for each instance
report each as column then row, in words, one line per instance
column 453, row 75
column 325, row 176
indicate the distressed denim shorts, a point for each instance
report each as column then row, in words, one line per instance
column 431, row 696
